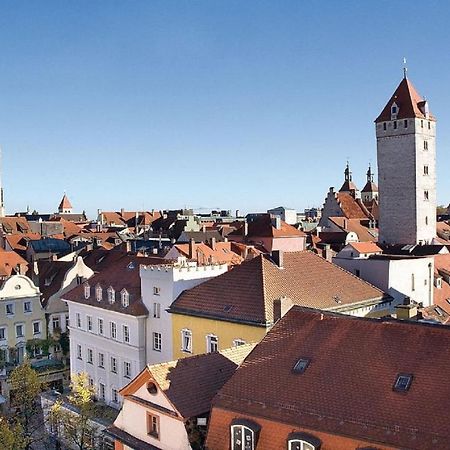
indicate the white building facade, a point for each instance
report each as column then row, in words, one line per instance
column 160, row 286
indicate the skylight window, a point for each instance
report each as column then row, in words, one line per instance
column 301, row 365
column 403, row 382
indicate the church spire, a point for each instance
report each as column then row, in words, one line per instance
column 369, row 174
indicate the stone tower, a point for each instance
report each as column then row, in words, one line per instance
column 406, row 154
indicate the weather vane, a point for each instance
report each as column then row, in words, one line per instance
column 405, row 68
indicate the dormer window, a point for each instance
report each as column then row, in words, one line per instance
column 98, row 293
column 87, row 291
column 125, row 297
column 111, row 295
column 394, row 111
column 244, row 434
column 303, row 441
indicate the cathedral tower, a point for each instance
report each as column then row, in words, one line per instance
column 406, row 155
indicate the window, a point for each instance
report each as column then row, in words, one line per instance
column 89, row 323
column 87, row 291
column 79, row 354
column 113, row 330
column 413, row 284
column 125, row 298
column 301, row 365
column 186, row 341
column 429, row 125
column 426, row 220
column 9, row 309
column 425, row 145
column 395, row 124
column 126, row 333
column 2, row 334
column 90, row 356
column 357, row 272
column 156, row 310
column 425, row 195
column 113, row 364
column 127, row 369
column 111, row 295
column 79, row 280
column 384, row 126
column 156, row 290
column 151, row 388
column 55, row 323
column 244, row 434
column 157, row 342
column 114, row 395
column 98, row 293
column 67, row 321
column 405, row 124
column 303, row 441
column 19, row 331
column 101, row 360
column 27, row 307
column 403, row 382
column 100, row 326
column 238, row 342
column 421, row 124
column 78, row 320
column 425, row 170
column 36, row 327
column 212, row 343
column 101, row 391
column 153, row 425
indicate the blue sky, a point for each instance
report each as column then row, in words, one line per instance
column 233, row 104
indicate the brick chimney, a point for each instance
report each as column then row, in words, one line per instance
column 213, row 243
column 191, row 248
column 278, row 258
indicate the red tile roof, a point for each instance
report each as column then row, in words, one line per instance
column 119, row 274
column 352, row 208
column 347, row 389
column 204, row 254
column 407, row 99
column 364, row 233
column 9, row 261
column 247, row 293
column 65, row 203
column 366, row 247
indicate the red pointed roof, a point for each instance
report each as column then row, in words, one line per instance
column 408, row 101
column 65, row 203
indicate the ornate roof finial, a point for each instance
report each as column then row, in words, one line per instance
column 405, row 68
column 369, row 174
column 347, row 172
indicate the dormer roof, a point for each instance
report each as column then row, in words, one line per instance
column 409, row 102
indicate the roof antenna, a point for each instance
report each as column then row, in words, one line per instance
column 405, row 68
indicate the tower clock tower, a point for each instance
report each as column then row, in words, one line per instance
column 406, row 155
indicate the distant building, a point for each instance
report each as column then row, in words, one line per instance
column 288, row 215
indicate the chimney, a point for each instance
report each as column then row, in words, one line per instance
column 245, row 229
column 122, row 210
column 213, row 243
column 280, row 307
column 238, row 213
column 276, row 222
column 191, row 248
column 278, row 257
column 406, row 312
column 326, row 252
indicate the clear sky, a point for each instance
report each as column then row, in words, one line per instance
column 233, row 104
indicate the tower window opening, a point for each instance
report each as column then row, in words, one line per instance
column 395, row 124
column 425, row 170
column 429, row 125
column 426, row 222
column 405, row 123
column 421, row 124
column 425, row 195
column 425, row 145
column 384, row 126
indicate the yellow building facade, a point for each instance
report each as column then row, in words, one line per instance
column 207, row 334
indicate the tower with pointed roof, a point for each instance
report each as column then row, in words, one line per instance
column 348, row 185
column 370, row 191
column 406, row 155
column 65, row 207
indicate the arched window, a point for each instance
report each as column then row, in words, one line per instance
column 125, row 298
column 244, row 434
column 302, row 441
column 87, row 291
column 111, row 295
column 98, row 293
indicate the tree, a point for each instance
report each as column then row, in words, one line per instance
column 25, row 388
column 11, row 437
column 77, row 427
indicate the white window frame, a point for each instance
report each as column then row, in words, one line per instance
column 156, row 310
column 90, row 327
column 38, row 323
column 78, row 315
column 79, row 352
column 12, row 309
column 90, row 356
column 101, row 326
column 209, row 341
column 114, row 395
column 113, row 364
column 126, row 333
column 5, row 333
column 102, row 391
column 57, row 320
column 185, row 333
column 111, row 295
column 237, row 342
column 98, row 293
column 156, row 290
column 23, row 330
column 243, row 428
column 113, row 330
column 304, row 445
column 157, row 341
column 26, row 311
column 125, row 297
column 87, row 291
column 127, row 369
column 101, row 360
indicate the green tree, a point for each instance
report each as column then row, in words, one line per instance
column 11, row 437
column 25, row 388
column 78, row 428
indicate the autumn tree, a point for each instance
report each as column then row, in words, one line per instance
column 11, row 436
column 78, row 428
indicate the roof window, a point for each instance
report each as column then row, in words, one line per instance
column 301, row 365
column 403, row 382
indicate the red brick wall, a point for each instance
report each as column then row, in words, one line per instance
column 273, row 435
